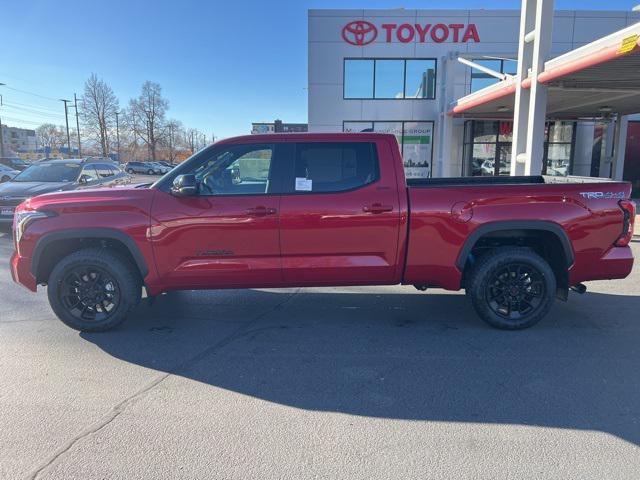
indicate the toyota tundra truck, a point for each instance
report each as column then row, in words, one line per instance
column 314, row 210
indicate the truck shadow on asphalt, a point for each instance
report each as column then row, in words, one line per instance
column 399, row 356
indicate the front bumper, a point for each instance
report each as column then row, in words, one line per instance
column 21, row 273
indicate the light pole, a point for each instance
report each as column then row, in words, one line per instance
column 66, row 119
column 75, row 104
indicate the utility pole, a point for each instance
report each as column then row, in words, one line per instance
column 118, row 137
column 1, row 132
column 66, row 119
column 75, row 100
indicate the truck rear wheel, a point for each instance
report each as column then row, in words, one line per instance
column 93, row 290
column 512, row 288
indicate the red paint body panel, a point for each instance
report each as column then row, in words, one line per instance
column 213, row 242
column 321, row 239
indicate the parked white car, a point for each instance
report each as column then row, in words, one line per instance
column 7, row 173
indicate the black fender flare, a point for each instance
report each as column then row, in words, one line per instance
column 490, row 227
column 88, row 233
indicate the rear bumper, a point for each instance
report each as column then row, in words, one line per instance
column 20, row 271
column 617, row 262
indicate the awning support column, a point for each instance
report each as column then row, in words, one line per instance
column 536, row 27
column 619, row 147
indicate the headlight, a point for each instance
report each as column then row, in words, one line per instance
column 23, row 218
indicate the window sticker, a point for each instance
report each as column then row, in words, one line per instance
column 303, row 184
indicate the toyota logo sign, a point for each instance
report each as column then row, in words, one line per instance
column 359, row 32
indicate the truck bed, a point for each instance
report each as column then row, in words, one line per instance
column 500, row 180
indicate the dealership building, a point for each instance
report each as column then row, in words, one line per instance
column 397, row 71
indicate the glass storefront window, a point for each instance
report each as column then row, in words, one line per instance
column 358, row 78
column 559, row 132
column 389, row 79
column 558, row 158
column 394, row 128
column 485, row 132
column 417, row 139
column 487, row 148
column 420, row 79
column 357, row 127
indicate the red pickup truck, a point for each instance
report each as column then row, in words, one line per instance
column 322, row 210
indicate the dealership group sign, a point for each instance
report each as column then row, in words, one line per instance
column 361, row 32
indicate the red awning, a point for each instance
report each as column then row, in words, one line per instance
column 598, row 78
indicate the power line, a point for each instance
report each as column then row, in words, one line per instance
column 34, row 107
column 30, row 93
column 13, row 119
column 33, row 113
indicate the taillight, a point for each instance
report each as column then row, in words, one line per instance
column 629, row 211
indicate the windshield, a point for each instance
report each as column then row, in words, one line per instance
column 50, row 172
column 15, row 161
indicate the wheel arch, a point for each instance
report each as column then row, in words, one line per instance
column 535, row 233
column 55, row 245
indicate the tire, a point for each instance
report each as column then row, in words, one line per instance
column 150, row 172
column 130, row 171
column 512, row 288
column 95, row 273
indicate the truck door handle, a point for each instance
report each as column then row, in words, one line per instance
column 261, row 211
column 377, row 208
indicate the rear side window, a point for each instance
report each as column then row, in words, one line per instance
column 104, row 170
column 334, row 167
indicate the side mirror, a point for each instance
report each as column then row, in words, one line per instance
column 184, row 186
column 84, row 179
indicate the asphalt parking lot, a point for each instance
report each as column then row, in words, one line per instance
column 362, row 383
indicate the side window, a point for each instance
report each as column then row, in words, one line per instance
column 236, row 170
column 334, row 167
column 88, row 174
column 104, row 170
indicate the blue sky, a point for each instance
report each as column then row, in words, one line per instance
column 221, row 64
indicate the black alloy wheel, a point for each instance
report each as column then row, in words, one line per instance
column 94, row 289
column 515, row 291
column 90, row 293
column 511, row 288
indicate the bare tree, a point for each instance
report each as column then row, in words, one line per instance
column 51, row 136
column 99, row 107
column 147, row 114
column 192, row 138
column 172, row 138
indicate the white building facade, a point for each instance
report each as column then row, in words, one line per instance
column 17, row 140
column 396, row 71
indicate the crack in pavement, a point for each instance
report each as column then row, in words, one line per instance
column 119, row 408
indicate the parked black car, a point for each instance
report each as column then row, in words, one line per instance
column 55, row 176
column 14, row 163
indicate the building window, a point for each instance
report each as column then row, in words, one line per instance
column 389, row 79
column 414, row 138
column 358, row 75
column 487, row 148
column 480, row 80
column 368, row 78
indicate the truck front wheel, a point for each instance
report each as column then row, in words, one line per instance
column 511, row 288
column 93, row 290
